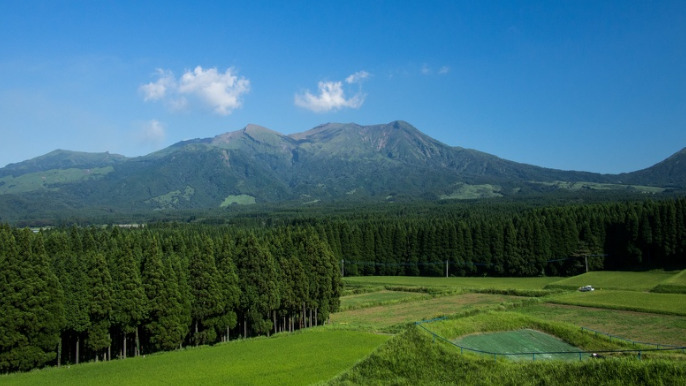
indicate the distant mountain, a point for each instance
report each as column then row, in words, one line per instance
column 62, row 159
column 670, row 173
column 329, row 163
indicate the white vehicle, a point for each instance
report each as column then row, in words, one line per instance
column 586, row 288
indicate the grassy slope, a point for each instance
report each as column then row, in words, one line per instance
column 297, row 359
column 43, row 180
column 674, row 284
column 633, row 281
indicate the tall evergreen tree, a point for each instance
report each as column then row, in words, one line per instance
column 129, row 301
column 99, row 302
column 31, row 305
column 230, row 290
column 206, row 294
column 259, row 285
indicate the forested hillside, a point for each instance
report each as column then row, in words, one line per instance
column 74, row 294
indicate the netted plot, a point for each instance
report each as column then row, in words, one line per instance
column 525, row 344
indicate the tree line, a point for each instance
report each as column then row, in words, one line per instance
column 512, row 240
column 77, row 294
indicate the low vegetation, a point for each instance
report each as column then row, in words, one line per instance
column 287, row 359
column 674, row 284
column 622, row 280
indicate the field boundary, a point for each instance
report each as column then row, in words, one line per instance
column 580, row 353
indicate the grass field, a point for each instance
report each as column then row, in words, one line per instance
column 499, row 283
column 621, row 280
column 303, row 358
column 670, row 304
column 674, row 284
column 42, row 180
column 520, row 342
column 385, row 317
column 639, row 326
column 378, row 298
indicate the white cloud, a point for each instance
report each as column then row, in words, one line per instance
column 425, row 69
column 331, row 95
column 443, row 70
column 220, row 91
column 157, row 90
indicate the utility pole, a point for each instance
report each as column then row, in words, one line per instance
column 446, row 268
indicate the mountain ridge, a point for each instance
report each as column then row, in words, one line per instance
column 330, row 162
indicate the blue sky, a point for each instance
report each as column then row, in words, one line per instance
column 576, row 85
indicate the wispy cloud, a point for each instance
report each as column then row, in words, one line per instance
column 152, row 133
column 357, row 77
column 222, row 92
column 331, row 95
column 427, row 70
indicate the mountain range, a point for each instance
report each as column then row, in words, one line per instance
column 329, row 163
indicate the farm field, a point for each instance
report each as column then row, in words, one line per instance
column 457, row 283
column 674, row 284
column 296, row 359
column 632, row 281
column 670, row 304
column 641, row 326
column 379, row 298
column 382, row 317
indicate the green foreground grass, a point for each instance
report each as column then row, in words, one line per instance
column 303, row 358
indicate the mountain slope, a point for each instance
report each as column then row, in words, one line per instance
column 331, row 162
column 669, row 173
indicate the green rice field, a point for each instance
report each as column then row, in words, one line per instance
column 670, row 304
column 303, row 358
column 622, row 280
column 379, row 298
column 674, row 284
column 457, row 283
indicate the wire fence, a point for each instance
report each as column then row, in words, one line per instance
column 581, row 354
